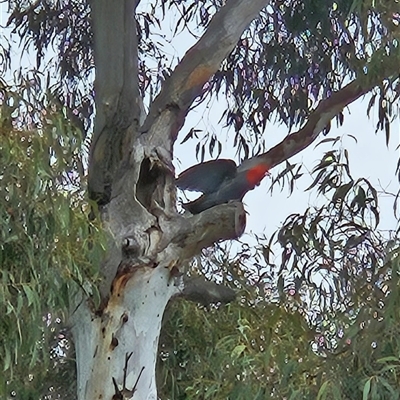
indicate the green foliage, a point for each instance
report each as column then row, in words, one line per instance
column 255, row 349
column 48, row 248
column 294, row 54
column 318, row 321
column 252, row 350
column 332, row 254
column 298, row 52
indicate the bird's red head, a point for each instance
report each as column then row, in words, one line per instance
column 256, row 174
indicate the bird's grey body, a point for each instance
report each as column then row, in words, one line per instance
column 220, row 181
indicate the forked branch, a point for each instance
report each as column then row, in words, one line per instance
column 200, row 63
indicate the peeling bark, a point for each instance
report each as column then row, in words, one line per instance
column 117, row 350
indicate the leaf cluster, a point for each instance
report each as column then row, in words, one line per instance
column 291, row 56
column 48, row 248
column 317, row 310
column 297, row 52
column 258, row 349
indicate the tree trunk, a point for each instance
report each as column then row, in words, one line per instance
column 131, row 177
column 117, row 351
column 116, row 345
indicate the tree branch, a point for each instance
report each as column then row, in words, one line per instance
column 199, row 290
column 319, row 119
column 223, row 222
column 116, row 86
column 199, row 64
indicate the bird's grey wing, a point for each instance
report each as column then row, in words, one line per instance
column 206, row 177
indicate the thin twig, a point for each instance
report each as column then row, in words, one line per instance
column 137, row 380
column 127, row 357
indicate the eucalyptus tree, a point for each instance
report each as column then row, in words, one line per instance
column 115, row 263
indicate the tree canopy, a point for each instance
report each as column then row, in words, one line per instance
column 87, row 137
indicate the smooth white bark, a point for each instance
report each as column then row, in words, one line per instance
column 120, row 346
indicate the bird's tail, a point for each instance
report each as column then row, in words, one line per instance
column 195, row 206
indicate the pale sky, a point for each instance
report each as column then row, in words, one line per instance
column 369, row 158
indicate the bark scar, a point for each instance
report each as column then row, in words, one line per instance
column 114, row 343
